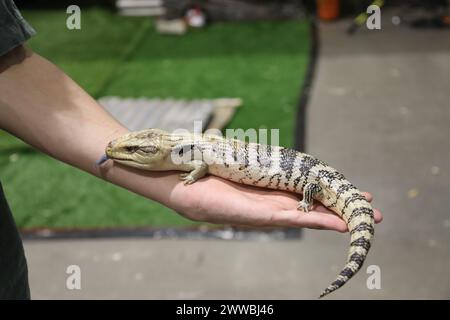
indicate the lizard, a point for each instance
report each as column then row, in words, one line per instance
column 267, row 166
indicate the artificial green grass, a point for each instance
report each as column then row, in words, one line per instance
column 89, row 55
column 263, row 63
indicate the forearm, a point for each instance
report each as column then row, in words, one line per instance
column 45, row 108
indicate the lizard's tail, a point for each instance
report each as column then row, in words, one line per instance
column 360, row 222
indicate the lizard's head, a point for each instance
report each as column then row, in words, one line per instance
column 141, row 149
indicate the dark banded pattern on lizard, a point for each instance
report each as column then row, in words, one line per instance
column 263, row 166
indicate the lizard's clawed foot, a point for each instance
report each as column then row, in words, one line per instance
column 198, row 171
column 304, row 206
column 187, row 178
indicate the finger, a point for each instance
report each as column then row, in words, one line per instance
column 312, row 220
column 318, row 220
column 377, row 215
column 368, row 196
column 323, row 218
column 318, row 207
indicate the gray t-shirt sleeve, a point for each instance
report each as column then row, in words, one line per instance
column 14, row 30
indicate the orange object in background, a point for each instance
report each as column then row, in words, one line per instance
column 328, row 9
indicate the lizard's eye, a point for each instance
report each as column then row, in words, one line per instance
column 149, row 149
column 131, row 149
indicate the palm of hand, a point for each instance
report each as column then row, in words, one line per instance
column 219, row 201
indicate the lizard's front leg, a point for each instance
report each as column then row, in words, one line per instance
column 198, row 169
column 311, row 189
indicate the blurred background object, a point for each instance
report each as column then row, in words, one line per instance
column 171, row 114
column 239, row 10
column 140, row 7
column 414, row 13
column 328, row 9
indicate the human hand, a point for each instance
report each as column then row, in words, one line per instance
column 216, row 200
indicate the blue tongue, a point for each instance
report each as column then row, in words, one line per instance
column 102, row 160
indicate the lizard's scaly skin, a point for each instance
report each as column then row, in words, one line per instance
column 259, row 165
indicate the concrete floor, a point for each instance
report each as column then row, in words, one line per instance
column 380, row 112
